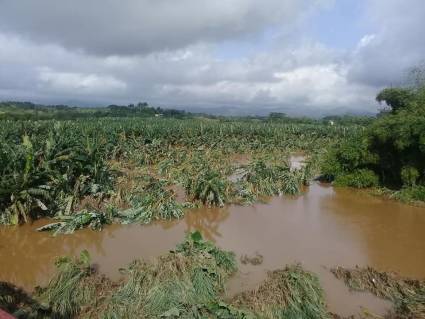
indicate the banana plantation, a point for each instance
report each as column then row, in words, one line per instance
column 64, row 176
column 86, row 173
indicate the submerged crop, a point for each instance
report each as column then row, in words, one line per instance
column 62, row 169
column 188, row 282
column 407, row 295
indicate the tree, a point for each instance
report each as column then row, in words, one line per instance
column 396, row 98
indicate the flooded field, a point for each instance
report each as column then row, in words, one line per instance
column 322, row 228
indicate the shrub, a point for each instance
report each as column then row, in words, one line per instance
column 409, row 175
column 409, row 194
column 361, row 178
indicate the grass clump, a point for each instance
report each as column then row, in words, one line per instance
column 286, row 294
column 71, row 288
column 407, row 295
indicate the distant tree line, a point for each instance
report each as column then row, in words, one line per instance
column 31, row 111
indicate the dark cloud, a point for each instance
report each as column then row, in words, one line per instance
column 125, row 27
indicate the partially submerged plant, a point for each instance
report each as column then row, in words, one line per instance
column 290, row 293
column 208, row 186
column 83, row 219
column 272, row 179
column 150, row 201
column 69, row 290
column 407, row 295
column 184, row 283
column 49, row 168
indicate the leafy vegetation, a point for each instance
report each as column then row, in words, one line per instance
column 87, row 173
column 391, row 151
column 286, row 294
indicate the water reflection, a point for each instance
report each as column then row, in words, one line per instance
column 207, row 221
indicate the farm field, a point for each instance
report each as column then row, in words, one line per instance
column 119, row 189
column 196, row 159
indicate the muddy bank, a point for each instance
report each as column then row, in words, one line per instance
column 321, row 229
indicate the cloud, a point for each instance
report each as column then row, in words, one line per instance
column 305, row 76
column 165, row 52
column 397, row 44
column 68, row 82
column 131, row 27
column 323, row 86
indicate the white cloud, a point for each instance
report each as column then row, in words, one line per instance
column 79, row 83
column 365, row 41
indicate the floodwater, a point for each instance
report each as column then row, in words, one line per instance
column 322, row 228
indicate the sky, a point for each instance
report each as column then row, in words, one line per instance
column 301, row 57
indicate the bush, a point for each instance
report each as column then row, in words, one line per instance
column 347, row 157
column 409, row 194
column 409, row 176
column 361, row 178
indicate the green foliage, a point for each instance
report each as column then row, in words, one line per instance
column 19, row 303
column 361, row 178
column 83, row 219
column 286, row 294
column 149, row 201
column 185, row 283
column 69, row 290
column 351, row 154
column 398, row 142
column 195, row 244
column 51, row 168
column 272, row 179
column 208, row 186
column 409, row 176
column 44, row 169
column 390, row 152
column 396, row 98
column 411, row 194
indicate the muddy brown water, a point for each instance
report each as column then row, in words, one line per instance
column 322, row 228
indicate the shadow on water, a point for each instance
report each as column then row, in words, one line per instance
column 320, row 229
